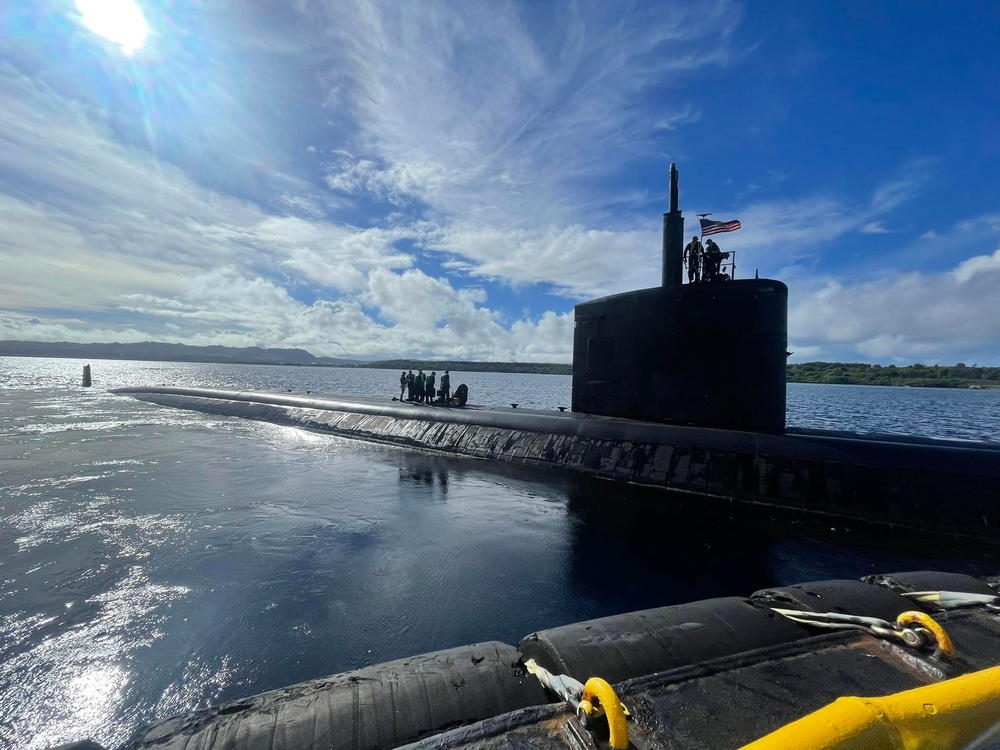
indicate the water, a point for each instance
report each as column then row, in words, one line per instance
column 944, row 413
column 157, row 560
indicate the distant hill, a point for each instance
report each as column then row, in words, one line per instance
column 537, row 368
column 158, row 352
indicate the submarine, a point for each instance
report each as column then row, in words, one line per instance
column 680, row 387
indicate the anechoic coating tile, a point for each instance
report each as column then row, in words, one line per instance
column 549, row 449
column 545, row 451
column 476, row 440
column 435, row 434
column 351, row 419
column 610, row 456
column 765, row 470
column 378, row 424
column 578, row 452
column 788, row 486
column 396, row 427
column 456, row 437
column 591, row 459
column 662, row 458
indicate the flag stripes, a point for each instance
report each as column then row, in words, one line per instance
column 714, row 227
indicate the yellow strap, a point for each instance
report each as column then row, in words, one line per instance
column 944, row 716
column 595, row 687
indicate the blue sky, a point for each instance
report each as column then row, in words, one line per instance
column 447, row 179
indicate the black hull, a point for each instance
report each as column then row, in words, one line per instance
column 926, row 485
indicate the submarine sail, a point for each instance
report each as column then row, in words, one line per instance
column 710, row 354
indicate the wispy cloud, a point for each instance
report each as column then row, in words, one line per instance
column 913, row 177
column 783, row 231
column 500, row 122
column 875, row 227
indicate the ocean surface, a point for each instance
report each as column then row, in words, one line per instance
column 155, row 560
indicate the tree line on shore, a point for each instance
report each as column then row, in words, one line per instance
column 918, row 375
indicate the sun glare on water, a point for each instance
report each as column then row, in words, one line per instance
column 118, row 21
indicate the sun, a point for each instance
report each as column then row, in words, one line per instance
column 118, row 21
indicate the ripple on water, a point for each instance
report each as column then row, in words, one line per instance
column 74, row 683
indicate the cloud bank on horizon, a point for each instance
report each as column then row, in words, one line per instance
column 448, row 178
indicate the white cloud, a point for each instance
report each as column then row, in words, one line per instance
column 417, row 301
column 875, row 227
column 947, row 317
column 967, row 270
column 17, row 327
column 578, row 261
column 218, row 298
column 548, row 339
column 106, row 228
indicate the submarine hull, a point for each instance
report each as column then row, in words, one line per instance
column 927, row 485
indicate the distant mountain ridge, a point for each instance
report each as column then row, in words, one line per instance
column 533, row 368
column 160, row 352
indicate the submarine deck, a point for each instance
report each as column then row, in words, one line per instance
column 793, row 442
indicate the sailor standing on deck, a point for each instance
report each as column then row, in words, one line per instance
column 409, row 385
column 418, row 385
column 402, row 384
column 692, row 257
column 429, row 387
column 446, row 387
column 713, row 261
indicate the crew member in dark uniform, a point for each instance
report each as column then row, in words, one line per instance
column 429, row 387
column 409, row 385
column 418, row 385
column 693, row 259
column 402, row 384
column 713, row 260
column 446, row 387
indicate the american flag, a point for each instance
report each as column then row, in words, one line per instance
column 714, row 227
